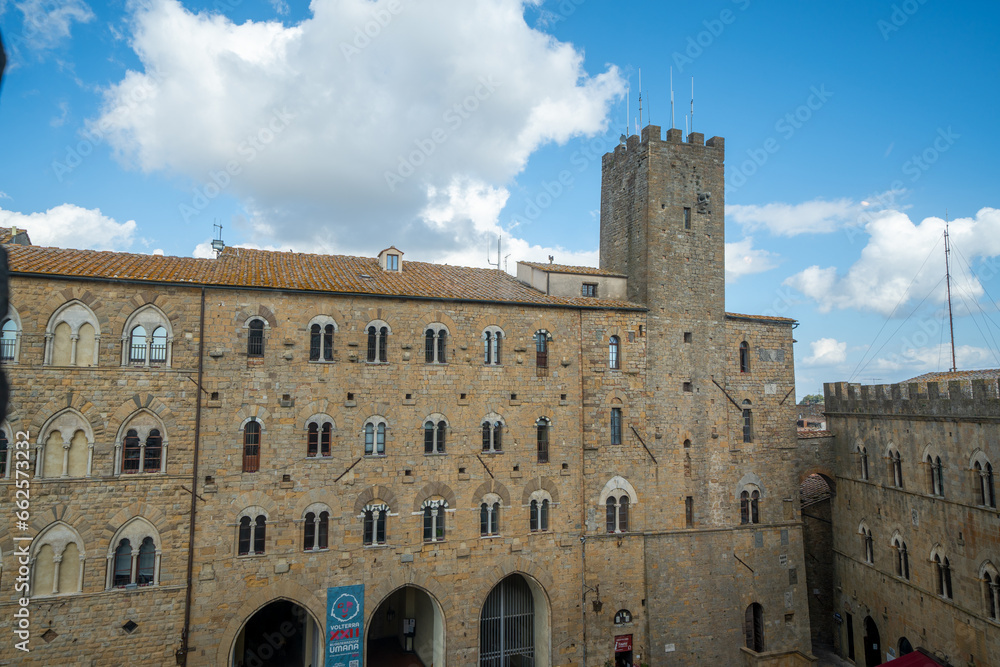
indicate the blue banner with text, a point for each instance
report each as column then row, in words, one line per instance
column 345, row 626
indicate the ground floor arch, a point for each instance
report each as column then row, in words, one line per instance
column 514, row 628
column 407, row 629
column 282, row 633
column 873, row 643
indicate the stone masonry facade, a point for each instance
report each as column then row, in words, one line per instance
column 658, row 429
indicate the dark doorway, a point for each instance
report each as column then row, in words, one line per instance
column 816, row 502
column 406, row 630
column 850, row 636
column 280, row 634
column 873, row 645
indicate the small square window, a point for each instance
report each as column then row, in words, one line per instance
column 589, row 289
column 688, row 386
column 688, row 337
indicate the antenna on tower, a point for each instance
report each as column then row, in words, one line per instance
column 499, row 238
column 217, row 243
column 628, row 102
column 947, row 275
column 639, row 127
column 673, row 124
column 692, row 104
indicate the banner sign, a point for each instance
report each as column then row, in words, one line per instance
column 623, row 643
column 345, row 631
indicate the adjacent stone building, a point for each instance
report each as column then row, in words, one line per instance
column 581, row 466
column 916, row 530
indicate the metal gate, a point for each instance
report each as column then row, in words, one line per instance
column 507, row 625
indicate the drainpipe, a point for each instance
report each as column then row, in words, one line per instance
column 182, row 652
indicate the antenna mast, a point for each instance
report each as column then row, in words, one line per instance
column 499, row 238
column 673, row 124
column 639, row 129
column 692, row 104
column 628, row 110
column 947, row 275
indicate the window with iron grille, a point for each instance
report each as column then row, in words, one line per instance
column 251, row 446
column 255, row 339
column 589, row 289
column 747, row 422
column 8, row 340
column 137, row 346
column 542, row 351
column 542, row 439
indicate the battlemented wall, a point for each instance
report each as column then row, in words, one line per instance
column 959, row 425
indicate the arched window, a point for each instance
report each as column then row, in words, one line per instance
column 489, row 516
column 58, row 559
column 259, row 528
column 245, row 532
column 316, row 530
column 378, row 343
column 434, row 522
column 134, row 556
column 863, row 462
column 251, row 446
column 935, row 475
column 492, row 343
column 374, row 524
column 744, row 357
column 146, row 338
column 542, row 339
column 542, row 439
column 131, row 452
column 252, row 535
column 749, row 505
column 492, row 435
column 435, row 343
column 984, row 480
column 375, row 437
column 123, row 565
column 616, row 426
column 72, row 336
column 616, row 514
column 140, row 446
column 434, row 435
column 137, row 346
column 869, row 544
column 319, row 434
column 66, row 446
column 614, row 352
column 10, row 336
column 896, row 468
column 901, row 557
column 747, row 421
column 753, row 627
column 321, row 342
column 991, row 591
column 538, row 515
column 943, row 571
column 255, row 339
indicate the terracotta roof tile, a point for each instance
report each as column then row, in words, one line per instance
column 762, row 318
column 945, row 376
column 242, row 267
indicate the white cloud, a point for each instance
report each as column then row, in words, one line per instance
column 71, row 226
column 896, row 250
column 742, row 259
column 48, row 22
column 812, row 217
column 352, row 129
column 826, row 352
column 919, row 360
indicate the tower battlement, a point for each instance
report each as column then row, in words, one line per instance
column 956, row 398
column 653, row 134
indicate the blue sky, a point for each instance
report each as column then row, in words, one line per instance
column 851, row 128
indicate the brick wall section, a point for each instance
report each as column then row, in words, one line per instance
column 955, row 421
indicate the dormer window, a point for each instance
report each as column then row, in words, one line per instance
column 391, row 259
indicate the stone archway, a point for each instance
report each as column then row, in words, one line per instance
column 514, row 624
column 873, row 643
column 279, row 634
column 816, row 493
column 407, row 629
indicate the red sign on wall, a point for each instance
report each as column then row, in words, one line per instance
column 623, row 643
